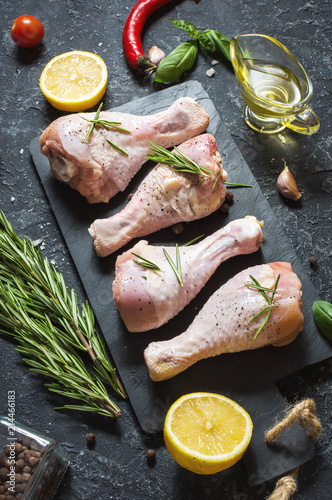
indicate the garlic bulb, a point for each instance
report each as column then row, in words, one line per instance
column 156, row 55
column 287, row 186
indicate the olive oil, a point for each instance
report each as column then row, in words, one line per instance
column 275, row 84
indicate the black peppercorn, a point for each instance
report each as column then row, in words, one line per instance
column 150, row 455
column 177, row 228
column 224, row 208
column 229, row 197
column 20, row 465
column 90, row 438
column 4, row 473
column 313, row 261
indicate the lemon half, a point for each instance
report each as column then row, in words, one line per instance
column 207, row 433
column 74, row 81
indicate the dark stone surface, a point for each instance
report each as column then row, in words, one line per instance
column 116, row 467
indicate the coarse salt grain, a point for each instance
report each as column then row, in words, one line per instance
column 210, row 72
column 37, row 242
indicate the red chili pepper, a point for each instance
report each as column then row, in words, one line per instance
column 131, row 38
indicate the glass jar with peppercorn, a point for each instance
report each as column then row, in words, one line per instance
column 31, row 465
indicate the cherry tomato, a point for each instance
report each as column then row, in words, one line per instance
column 27, row 31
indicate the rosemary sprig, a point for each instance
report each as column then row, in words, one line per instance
column 193, row 240
column 146, row 263
column 107, row 125
column 176, row 266
column 182, row 163
column 40, row 313
column 122, row 151
column 237, row 184
column 233, row 184
column 264, row 291
column 92, row 126
column 179, row 160
column 216, row 180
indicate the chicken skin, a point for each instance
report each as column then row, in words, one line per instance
column 147, row 299
column 166, row 197
column 224, row 323
column 95, row 168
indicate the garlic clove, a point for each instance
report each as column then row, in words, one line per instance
column 156, row 55
column 287, row 186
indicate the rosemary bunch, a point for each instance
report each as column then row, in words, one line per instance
column 37, row 309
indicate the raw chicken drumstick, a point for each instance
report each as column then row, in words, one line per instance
column 223, row 324
column 147, row 299
column 166, row 197
column 95, row 168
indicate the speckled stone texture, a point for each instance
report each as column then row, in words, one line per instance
column 116, row 467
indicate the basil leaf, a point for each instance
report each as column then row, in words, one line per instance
column 177, row 62
column 323, row 315
column 215, row 42
column 188, row 27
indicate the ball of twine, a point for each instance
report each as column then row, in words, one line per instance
column 303, row 413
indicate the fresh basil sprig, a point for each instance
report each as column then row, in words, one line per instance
column 183, row 57
column 177, row 62
column 214, row 41
column 210, row 40
column 186, row 26
column 322, row 311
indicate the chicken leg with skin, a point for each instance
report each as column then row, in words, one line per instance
column 147, row 299
column 166, row 197
column 95, row 168
column 224, row 323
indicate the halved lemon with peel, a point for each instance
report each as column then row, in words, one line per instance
column 207, row 433
column 74, row 81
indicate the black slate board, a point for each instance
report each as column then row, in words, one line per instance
column 247, row 377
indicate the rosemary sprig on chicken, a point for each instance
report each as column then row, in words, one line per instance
column 178, row 160
column 146, row 263
column 107, row 125
column 176, row 266
column 182, row 163
column 264, row 291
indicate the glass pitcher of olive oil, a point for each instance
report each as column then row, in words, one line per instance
column 275, row 86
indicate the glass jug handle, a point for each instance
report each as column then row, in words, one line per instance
column 306, row 122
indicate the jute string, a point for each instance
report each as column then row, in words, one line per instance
column 304, row 413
